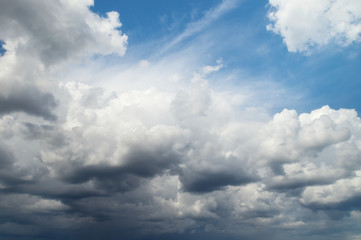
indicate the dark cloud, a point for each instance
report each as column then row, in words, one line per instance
column 49, row 188
column 34, row 131
column 298, row 184
column 146, row 162
column 139, row 163
column 48, row 133
column 277, row 167
column 10, row 175
column 107, row 178
column 6, row 158
column 352, row 203
column 262, row 213
column 112, row 234
column 31, row 101
column 208, row 181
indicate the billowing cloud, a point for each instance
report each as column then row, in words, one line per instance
column 309, row 24
column 63, row 30
column 34, row 44
column 114, row 158
column 342, row 195
column 152, row 148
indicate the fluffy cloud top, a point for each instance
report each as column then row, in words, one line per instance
column 62, row 31
column 308, row 24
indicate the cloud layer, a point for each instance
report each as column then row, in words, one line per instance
column 85, row 160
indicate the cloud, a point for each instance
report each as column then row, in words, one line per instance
column 171, row 160
column 152, row 148
column 204, row 181
column 296, row 175
column 310, row 24
column 119, row 150
column 131, row 152
column 30, row 101
column 34, row 44
column 341, row 195
column 46, row 36
column 199, row 25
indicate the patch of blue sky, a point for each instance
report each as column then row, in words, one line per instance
column 328, row 76
column 2, row 49
column 144, row 20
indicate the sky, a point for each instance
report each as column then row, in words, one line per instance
column 170, row 119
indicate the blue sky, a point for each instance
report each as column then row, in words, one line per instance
column 327, row 76
column 170, row 119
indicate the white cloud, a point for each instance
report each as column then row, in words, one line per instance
column 305, row 25
column 340, row 193
column 63, row 30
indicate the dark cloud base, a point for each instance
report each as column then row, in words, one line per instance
column 31, row 101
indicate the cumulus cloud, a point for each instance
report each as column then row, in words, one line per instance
column 305, row 25
column 344, row 194
column 177, row 174
column 34, row 44
column 63, row 30
column 155, row 149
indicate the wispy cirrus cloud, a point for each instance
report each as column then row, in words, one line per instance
column 199, row 25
